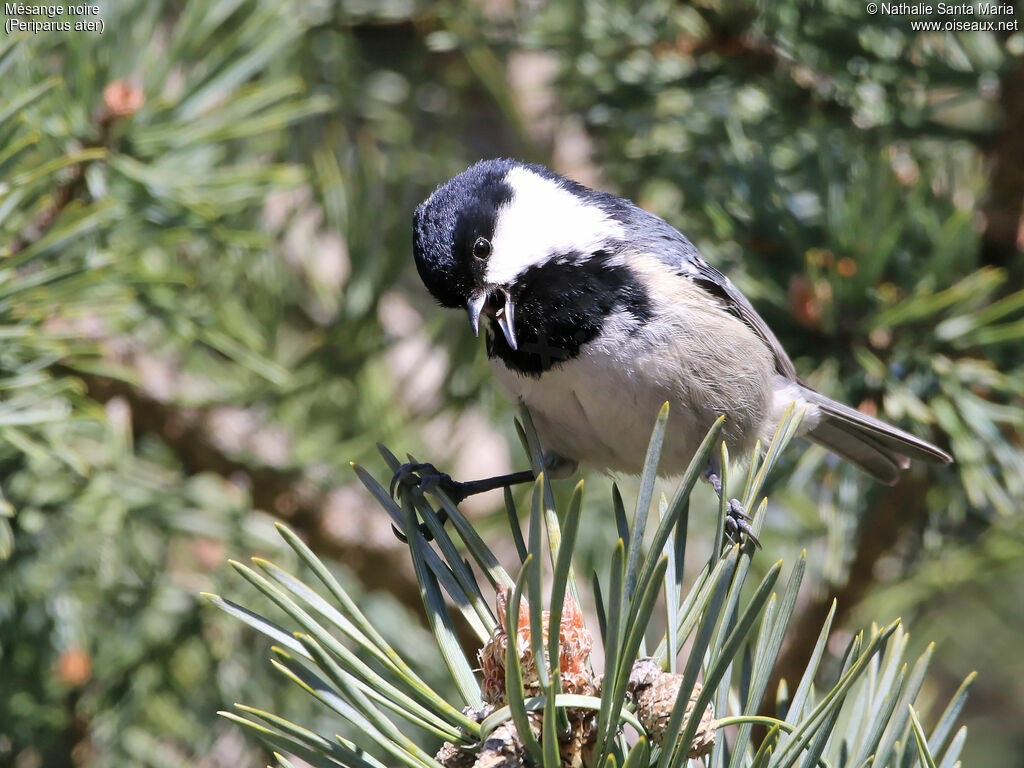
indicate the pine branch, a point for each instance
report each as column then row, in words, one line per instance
column 121, row 99
column 900, row 507
column 284, row 493
column 540, row 699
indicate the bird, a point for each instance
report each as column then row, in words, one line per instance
column 595, row 312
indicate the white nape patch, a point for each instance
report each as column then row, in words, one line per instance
column 543, row 220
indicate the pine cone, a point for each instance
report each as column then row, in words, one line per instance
column 574, row 645
column 655, row 693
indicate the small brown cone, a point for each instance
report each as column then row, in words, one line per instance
column 655, row 692
column 574, row 645
column 504, row 747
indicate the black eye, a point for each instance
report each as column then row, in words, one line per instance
column 482, row 248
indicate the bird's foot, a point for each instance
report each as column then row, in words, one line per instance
column 737, row 521
column 423, row 478
column 737, row 524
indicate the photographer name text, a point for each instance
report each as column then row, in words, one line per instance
column 946, row 9
column 951, row 17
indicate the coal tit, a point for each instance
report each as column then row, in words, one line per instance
column 596, row 312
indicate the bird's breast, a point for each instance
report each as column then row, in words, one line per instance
column 600, row 406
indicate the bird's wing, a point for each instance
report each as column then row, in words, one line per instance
column 683, row 256
column 721, row 287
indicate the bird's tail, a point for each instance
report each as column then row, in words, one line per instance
column 878, row 448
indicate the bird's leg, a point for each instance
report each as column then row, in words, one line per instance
column 737, row 521
column 426, row 477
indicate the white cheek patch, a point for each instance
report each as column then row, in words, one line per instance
column 541, row 221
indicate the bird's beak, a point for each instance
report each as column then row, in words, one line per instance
column 475, row 307
column 490, row 302
column 505, row 315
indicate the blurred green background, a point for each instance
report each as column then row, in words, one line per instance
column 208, row 308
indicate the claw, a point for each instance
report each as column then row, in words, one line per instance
column 430, row 483
column 736, row 518
column 736, row 525
column 423, row 529
column 731, row 529
column 736, row 510
column 425, row 478
column 409, row 474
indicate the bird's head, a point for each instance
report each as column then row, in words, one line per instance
column 502, row 231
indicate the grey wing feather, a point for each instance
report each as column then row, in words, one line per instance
column 876, row 447
column 683, row 256
column 719, row 285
